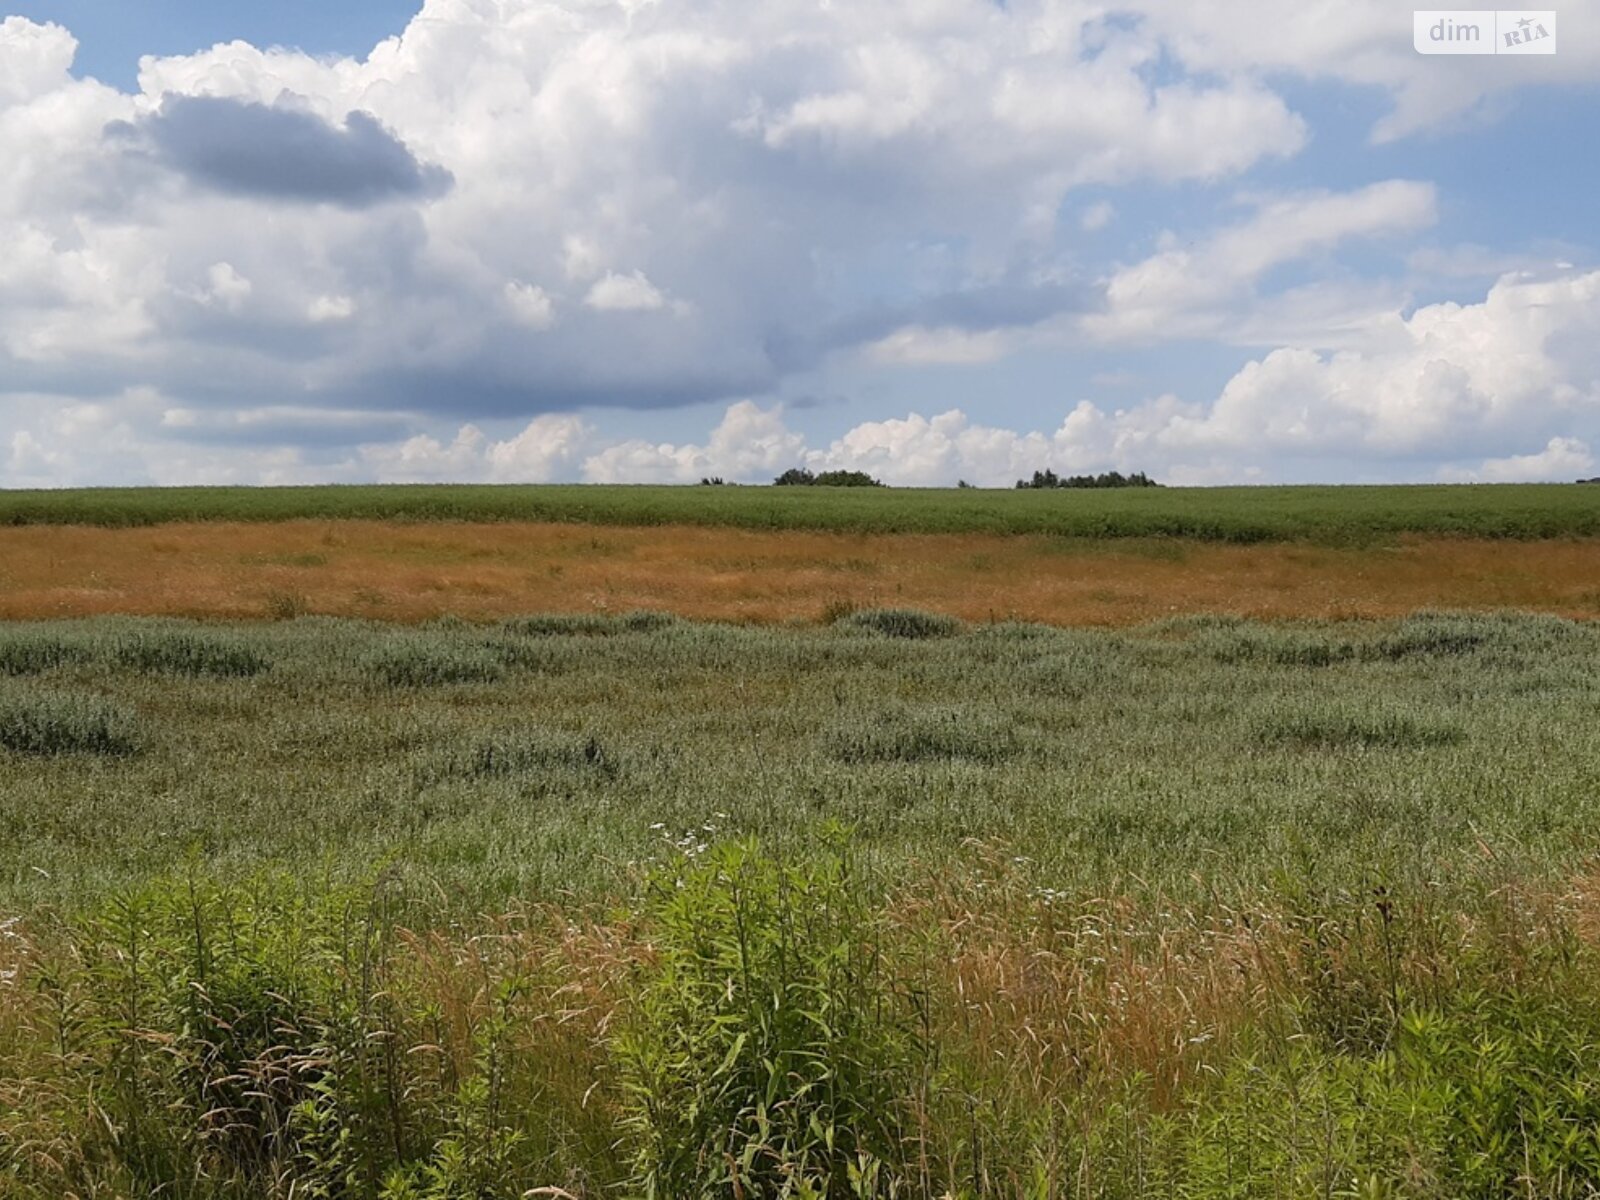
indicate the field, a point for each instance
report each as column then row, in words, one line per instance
column 410, row 572
column 892, row 905
column 1334, row 515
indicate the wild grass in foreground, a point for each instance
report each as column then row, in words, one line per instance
column 1201, row 909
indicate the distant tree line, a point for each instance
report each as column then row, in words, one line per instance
column 1110, row 479
column 800, row 477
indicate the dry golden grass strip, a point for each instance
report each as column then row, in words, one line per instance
column 407, row 572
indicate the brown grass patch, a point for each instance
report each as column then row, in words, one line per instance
column 406, row 572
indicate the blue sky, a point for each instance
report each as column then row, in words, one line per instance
column 112, row 36
column 649, row 241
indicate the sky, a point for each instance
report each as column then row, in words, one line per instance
column 1217, row 241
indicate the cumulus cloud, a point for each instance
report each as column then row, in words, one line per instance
column 1453, row 383
column 1363, row 42
column 1560, row 461
column 1451, row 380
column 1507, row 388
column 520, row 209
column 285, row 153
column 331, row 308
column 530, row 304
column 36, row 59
column 745, row 170
column 749, row 443
column 1196, row 291
column 624, row 293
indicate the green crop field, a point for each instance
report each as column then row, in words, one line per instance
column 632, row 906
column 1335, row 514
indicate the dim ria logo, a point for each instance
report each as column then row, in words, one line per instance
column 1483, row 31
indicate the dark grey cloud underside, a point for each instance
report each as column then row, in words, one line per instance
column 288, row 431
column 250, row 149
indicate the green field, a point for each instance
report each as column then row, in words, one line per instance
column 635, row 906
column 1333, row 514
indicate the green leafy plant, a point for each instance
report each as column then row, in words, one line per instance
column 761, row 1058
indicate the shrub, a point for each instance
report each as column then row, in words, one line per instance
column 759, row 1059
column 902, row 623
column 560, row 625
column 1337, row 728
column 1067, row 675
column 182, row 652
column 31, row 653
column 527, row 752
column 286, row 606
column 1280, row 647
column 419, row 662
column 929, row 735
column 646, row 621
column 1433, row 635
column 63, row 724
column 588, row 624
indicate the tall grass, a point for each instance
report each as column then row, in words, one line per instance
column 1204, row 909
column 48, row 724
column 807, row 1024
column 184, row 652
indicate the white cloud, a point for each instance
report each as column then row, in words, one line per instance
column 1207, row 289
column 34, row 59
column 733, row 166
column 1450, row 379
column 1097, row 216
column 1211, row 288
column 331, row 308
column 750, row 443
column 531, row 305
column 29, row 459
column 543, row 451
column 425, row 459
column 226, row 287
column 1562, row 460
column 916, row 345
column 624, row 293
column 546, row 449
column 1368, row 43
column 1507, row 388
column 787, row 180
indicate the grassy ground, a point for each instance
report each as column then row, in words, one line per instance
column 636, row 906
column 410, row 572
column 1325, row 514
